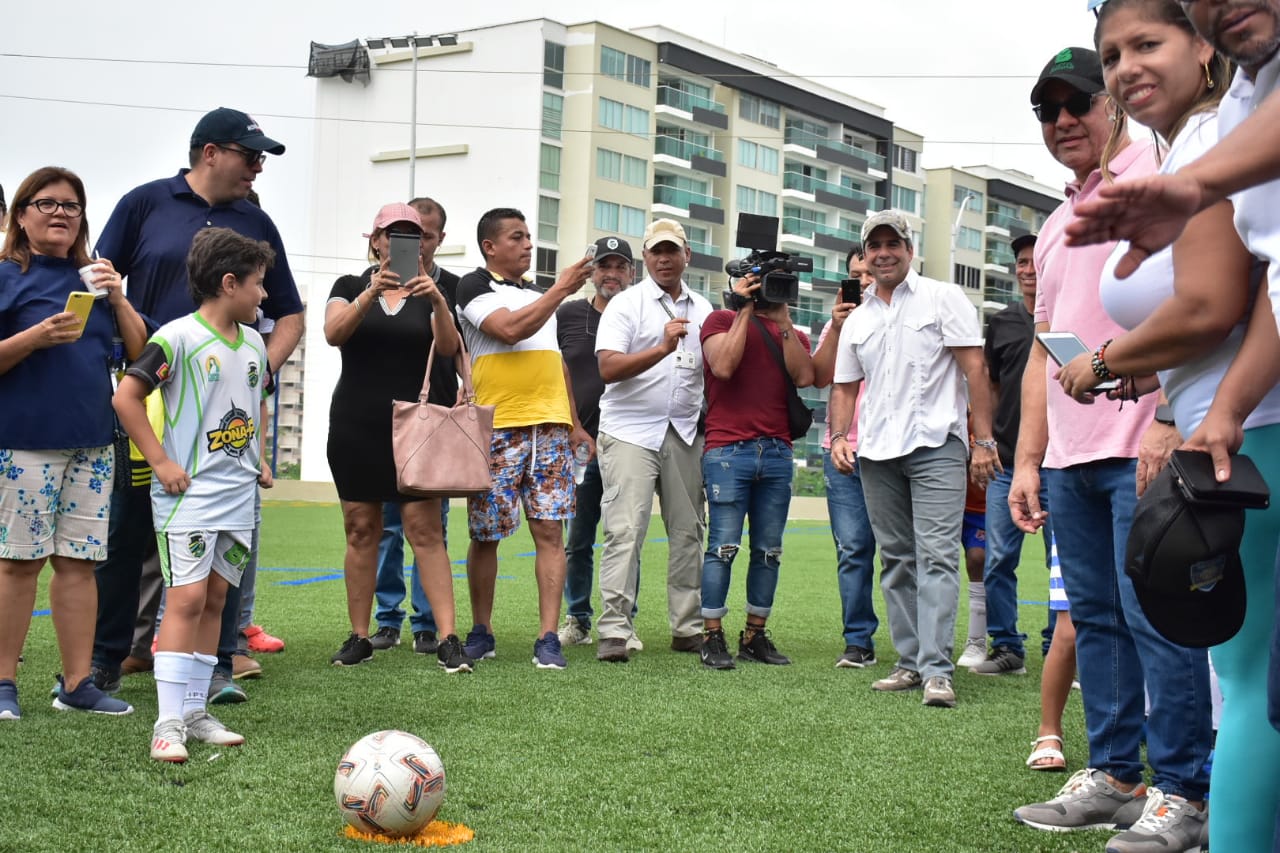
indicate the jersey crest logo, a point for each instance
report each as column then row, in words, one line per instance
column 195, row 544
column 253, row 374
column 234, row 432
column 213, row 368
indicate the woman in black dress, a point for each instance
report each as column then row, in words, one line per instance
column 384, row 328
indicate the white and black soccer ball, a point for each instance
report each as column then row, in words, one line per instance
column 389, row 782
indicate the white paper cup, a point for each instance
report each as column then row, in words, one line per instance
column 88, row 273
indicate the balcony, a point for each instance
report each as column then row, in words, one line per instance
column 817, row 191
column 807, row 144
column 808, row 229
column 688, row 204
column 703, row 248
column 1000, row 255
column 1008, row 223
column 682, row 150
column 691, row 107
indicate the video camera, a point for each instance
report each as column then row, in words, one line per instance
column 778, row 282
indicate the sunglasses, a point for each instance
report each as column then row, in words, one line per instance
column 251, row 158
column 1076, row 104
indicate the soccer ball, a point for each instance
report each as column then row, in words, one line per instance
column 389, row 782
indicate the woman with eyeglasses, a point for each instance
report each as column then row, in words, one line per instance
column 384, row 328
column 1188, row 309
column 57, row 433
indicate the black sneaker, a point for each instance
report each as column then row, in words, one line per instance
column 106, row 680
column 355, row 650
column 761, row 649
column 715, row 651
column 424, row 642
column 385, row 637
column 450, row 656
column 856, row 657
column 1001, row 661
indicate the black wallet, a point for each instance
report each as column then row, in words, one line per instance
column 1193, row 471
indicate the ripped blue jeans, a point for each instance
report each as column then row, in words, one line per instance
column 745, row 481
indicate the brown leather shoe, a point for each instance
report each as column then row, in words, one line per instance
column 613, row 649
column 243, row 666
column 133, row 664
column 687, row 644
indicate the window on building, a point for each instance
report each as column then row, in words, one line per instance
column 906, row 200
column 545, row 267
column 752, row 200
column 969, row 238
column 638, row 71
column 548, row 219
column 975, row 198
column 608, row 164
column 613, row 63
column 698, row 240
column 631, row 221
column 611, row 114
column 553, row 64
column 904, row 158
column 756, row 156
column 606, row 217
column 549, row 177
column 970, row 277
column 635, row 171
column 759, row 111
column 635, row 121
column 552, row 115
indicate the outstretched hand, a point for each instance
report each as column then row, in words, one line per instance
column 1149, row 212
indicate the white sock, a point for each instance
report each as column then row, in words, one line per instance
column 173, row 671
column 977, row 611
column 197, row 693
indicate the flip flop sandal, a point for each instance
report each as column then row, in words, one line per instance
column 1057, row 762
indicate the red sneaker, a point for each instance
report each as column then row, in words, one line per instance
column 260, row 642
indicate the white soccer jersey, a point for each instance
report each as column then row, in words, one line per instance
column 212, row 389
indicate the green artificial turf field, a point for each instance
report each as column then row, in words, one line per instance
column 655, row 754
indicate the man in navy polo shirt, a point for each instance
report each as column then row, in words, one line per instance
column 147, row 238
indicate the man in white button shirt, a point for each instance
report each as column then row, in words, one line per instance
column 651, row 361
column 917, row 342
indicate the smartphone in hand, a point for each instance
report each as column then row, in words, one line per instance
column 80, row 303
column 405, row 255
column 1064, row 346
column 851, row 291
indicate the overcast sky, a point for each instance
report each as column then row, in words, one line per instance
column 129, row 79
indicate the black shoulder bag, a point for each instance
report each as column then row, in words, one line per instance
column 799, row 416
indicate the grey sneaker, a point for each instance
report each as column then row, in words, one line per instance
column 224, row 691
column 385, row 638
column 975, row 652
column 574, row 633
column 899, row 679
column 938, row 692
column 613, row 649
column 1169, row 824
column 206, row 728
column 1002, row 661
column 1086, row 801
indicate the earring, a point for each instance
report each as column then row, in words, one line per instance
column 1208, row 78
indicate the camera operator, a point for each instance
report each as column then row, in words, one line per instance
column 916, row 341
column 747, row 465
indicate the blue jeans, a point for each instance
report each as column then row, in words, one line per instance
column 579, row 549
column 855, row 552
column 390, row 585
column 1004, row 551
column 1117, row 650
column 130, row 538
column 747, row 480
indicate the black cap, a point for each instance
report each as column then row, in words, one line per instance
column 607, row 246
column 1022, row 242
column 1184, row 561
column 1077, row 67
column 228, row 125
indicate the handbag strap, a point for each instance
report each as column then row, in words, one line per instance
column 775, row 352
column 462, row 361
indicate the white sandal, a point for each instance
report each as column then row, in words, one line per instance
column 1040, row 753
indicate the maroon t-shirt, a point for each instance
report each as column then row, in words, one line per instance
column 753, row 402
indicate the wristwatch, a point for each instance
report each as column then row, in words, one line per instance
column 1164, row 414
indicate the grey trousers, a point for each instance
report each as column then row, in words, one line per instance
column 631, row 475
column 916, row 505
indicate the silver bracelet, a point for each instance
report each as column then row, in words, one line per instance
column 985, row 443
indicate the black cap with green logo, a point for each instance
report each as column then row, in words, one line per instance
column 1076, row 66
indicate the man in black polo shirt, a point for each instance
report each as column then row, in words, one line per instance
column 1010, row 335
column 576, row 324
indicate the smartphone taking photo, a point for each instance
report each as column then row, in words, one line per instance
column 405, row 252
column 1064, row 346
column 851, row 291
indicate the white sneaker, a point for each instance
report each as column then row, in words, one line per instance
column 206, row 728
column 169, row 740
column 975, row 652
column 572, row 633
column 634, row 644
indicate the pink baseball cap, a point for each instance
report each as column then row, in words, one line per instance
column 396, row 212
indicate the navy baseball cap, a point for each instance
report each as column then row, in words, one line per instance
column 1020, row 243
column 228, row 125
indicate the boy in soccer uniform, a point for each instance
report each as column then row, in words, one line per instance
column 212, row 373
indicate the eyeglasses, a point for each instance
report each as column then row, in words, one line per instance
column 251, row 158
column 48, row 207
column 1077, row 104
